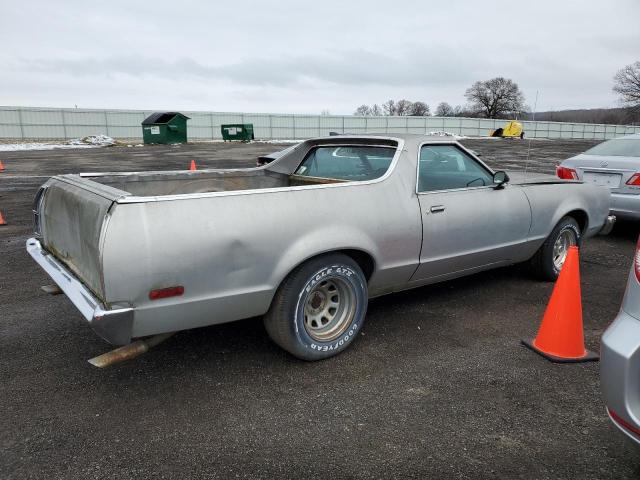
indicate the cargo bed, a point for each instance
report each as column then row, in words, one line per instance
column 73, row 211
column 144, row 184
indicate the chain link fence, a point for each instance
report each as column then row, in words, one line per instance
column 29, row 123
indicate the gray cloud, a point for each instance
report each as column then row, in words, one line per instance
column 304, row 56
column 413, row 67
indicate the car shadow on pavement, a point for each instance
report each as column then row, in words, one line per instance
column 627, row 229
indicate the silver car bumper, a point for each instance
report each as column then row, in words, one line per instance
column 625, row 206
column 620, row 373
column 114, row 325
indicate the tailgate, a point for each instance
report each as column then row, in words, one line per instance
column 70, row 215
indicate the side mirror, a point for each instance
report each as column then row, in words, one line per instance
column 499, row 179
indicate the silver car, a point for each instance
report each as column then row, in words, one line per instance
column 620, row 359
column 614, row 164
column 304, row 241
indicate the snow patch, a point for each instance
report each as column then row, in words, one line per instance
column 440, row 133
column 279, row 141
column 17, row 147
column 91, row 141
column 95, row 140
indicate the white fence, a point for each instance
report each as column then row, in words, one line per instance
column 59, row 123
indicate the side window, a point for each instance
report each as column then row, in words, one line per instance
column 358, row 162
column 445, row 167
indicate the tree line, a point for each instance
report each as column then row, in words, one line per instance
column 495, row 98
column 395, row 108
column 502, row 98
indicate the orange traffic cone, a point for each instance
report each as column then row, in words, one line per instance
column 560, row 337
column 1, row 166
column 2, row 222
column 193, row 167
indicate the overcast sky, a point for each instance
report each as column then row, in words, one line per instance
column 308, row 56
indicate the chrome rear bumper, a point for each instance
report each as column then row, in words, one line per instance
column 114, row 325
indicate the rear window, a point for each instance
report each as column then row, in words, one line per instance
column 618, row 147
column 357, row 162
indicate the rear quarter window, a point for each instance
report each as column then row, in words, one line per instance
column 352, row 163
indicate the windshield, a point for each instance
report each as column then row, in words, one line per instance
column 347, row 162
column 618, row 147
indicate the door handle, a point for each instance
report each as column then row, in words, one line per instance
column 437, row 208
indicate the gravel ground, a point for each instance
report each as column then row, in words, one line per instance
column 437, row 385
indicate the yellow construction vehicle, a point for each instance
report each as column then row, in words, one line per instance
column 512, row 129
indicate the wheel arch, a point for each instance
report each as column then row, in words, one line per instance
column 364, row 259
column 581, row 217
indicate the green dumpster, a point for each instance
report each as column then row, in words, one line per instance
column 165, row 127
column 237, row 131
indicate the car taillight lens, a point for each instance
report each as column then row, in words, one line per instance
column 566, row 173
column 636, row 261
column 634, row 180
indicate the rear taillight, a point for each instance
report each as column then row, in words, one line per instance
column 636, row 261
column 634, row 180
column 566, row 173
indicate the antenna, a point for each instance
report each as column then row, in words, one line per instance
column 533, row 118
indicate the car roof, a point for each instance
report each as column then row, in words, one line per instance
column 404, row 136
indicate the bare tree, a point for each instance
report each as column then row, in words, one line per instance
column 626, row 83
column 403, row 107
column 325, row 113
column 495, row 98
column 419, row 109
column 389, row 108
column 392, row 108
column 444, row 110
column 363, row 110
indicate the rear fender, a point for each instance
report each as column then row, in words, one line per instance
column 549, row 203
column 317, row 242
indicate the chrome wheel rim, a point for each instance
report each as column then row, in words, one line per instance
column 561, row 246
column 329, row 309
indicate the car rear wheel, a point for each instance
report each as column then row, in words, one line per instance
column 319, row 308
column 549, row 259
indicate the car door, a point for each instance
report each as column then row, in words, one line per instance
column 468, row 224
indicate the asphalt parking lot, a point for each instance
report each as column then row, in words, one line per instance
column 437, row 385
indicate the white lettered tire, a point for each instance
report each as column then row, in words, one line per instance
column 548, row 260
column 319, row 308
